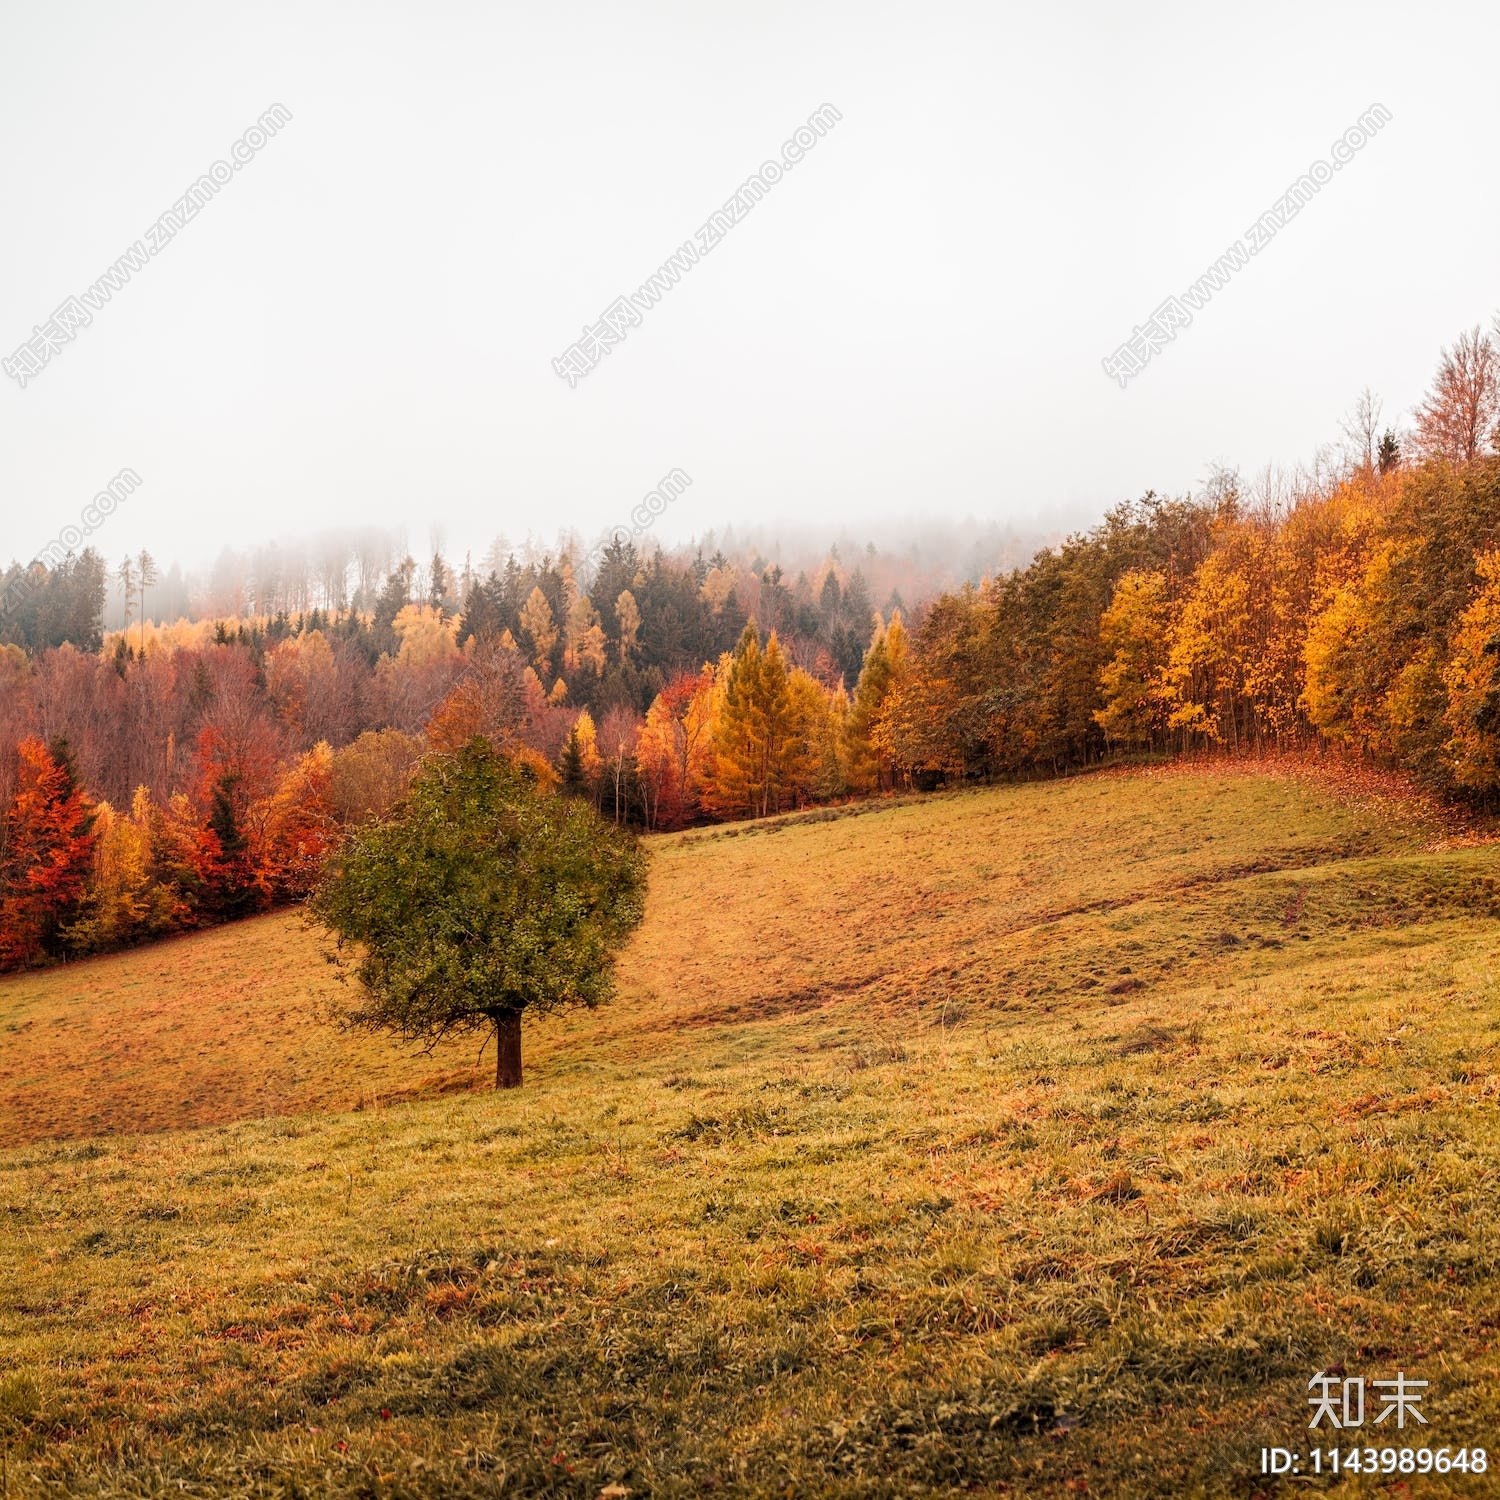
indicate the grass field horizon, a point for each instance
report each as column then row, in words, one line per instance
column 1035, row 1139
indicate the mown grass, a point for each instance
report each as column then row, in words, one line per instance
column 1028, row 1141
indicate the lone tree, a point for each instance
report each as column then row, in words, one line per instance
column 481, row 896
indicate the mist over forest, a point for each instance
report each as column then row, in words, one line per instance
column 341, row 568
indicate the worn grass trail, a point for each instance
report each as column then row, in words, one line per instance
column 1018, row 1141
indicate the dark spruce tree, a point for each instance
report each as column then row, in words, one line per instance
column 393, row 598
column 233, row 890
column 571, row 765
column 42, row 608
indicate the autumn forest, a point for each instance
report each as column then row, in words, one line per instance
column 179, row 773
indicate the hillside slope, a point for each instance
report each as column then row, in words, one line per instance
column 1046, row 1137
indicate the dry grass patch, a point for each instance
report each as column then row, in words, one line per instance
column 219, row 1026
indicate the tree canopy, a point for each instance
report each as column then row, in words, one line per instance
column 481, row 896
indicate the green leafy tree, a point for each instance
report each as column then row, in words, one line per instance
column 480, row 897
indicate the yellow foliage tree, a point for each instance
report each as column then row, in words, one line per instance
column 427, row 636
column 1206, row 663
column 1136, row 631
column 1327, row 695
column 812, row 771
column 866, row 765
column 628, row 613
column 580, row 762
column 761, row 729
column 124, row 904
column 585, row 642
column 295, row 670
column 540, row 627
column 717, row 586
column 1364, row 687
column 1472, row 678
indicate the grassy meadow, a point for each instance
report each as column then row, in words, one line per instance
column 1039, row 1140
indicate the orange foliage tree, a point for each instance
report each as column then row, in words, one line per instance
column 46, row 855
column 291, row 830
column 672, row 751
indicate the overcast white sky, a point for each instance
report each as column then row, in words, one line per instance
column 360, row 327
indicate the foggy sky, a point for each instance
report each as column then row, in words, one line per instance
column 359, row 327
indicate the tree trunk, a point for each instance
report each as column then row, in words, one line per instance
column 508, row 1049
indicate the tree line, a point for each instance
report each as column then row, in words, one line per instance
column 163, row 777
column 1358, row 608
column 195, row 772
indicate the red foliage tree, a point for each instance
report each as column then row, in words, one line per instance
column 228, row 778
column 46, row 854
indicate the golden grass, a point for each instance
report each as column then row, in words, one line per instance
column 1029, row 1140
column 219, row 1026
